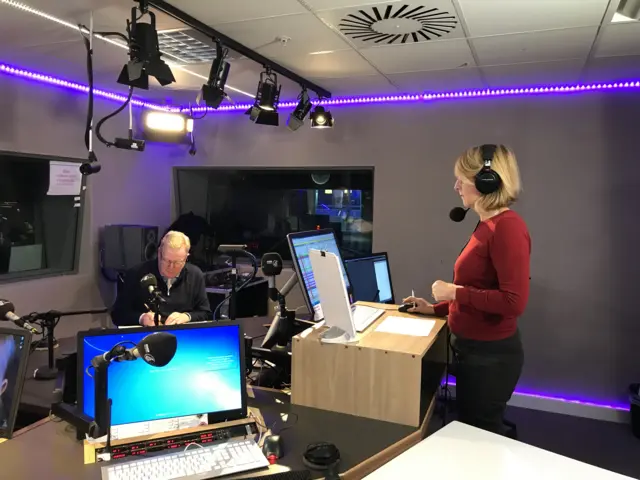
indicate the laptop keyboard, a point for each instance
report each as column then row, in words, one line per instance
column 364, row 316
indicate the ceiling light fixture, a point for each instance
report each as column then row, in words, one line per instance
column 296, row 118
column 321, row 118
column 173, row 64
column 213, row 92
column 627, row 11
column 144, row 52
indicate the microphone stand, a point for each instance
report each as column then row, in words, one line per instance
column 48, row 321
column 156, row 300
column 234, row 284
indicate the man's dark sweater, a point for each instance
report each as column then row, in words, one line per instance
column 186, row 295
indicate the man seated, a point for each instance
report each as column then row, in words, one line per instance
column 181, row 284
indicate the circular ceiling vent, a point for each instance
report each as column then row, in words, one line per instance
column 397, row 24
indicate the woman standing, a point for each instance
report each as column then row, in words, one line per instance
column 489, row 291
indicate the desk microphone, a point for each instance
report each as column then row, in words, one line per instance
column 157, row 349
column 7, row 312
column 150, row 284
column 457, row 214
column 272, row 267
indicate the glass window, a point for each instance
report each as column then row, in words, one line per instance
column 259, row 207
column 40, row 211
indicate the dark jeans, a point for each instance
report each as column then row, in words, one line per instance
column 486, row 376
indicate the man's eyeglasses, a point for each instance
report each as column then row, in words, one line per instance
column 174, row 263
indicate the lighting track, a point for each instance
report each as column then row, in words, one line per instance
column 52, row 18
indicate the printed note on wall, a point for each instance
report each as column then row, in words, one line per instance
column 64, row 178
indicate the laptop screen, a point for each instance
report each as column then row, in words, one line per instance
column 371, row 278
column 14, row 351
column 205, row 377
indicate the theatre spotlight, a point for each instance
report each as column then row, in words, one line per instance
column 321, row 118
column 296, row 119
column 213, row 92
column 144, row 53
column 268, row 93
column 166, row 127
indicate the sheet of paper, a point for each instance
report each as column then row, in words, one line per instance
column 64, row 178
column 415, row 327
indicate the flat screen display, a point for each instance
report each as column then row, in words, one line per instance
column 13, row 354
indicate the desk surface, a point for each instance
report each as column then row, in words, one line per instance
column 49, row 449
column 461, row 451
column 37, row 395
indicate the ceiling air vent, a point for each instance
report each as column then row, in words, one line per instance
column 397, row 24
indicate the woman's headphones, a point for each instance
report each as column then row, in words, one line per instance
column 322, row 456
column 487, row 180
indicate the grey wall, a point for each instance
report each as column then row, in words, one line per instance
column 579, row 167
column 578, row 162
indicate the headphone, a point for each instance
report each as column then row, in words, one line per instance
column 322, row 456
column 487, row 180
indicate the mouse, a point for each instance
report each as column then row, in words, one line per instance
column 273, row 448
column 404, row 308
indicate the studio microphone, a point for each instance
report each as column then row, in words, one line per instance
column 272, row 267
column 157, row 349
column 457, row 214
column 7, row 312
column 150, row 285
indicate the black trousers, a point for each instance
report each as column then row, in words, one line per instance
column 486, row 376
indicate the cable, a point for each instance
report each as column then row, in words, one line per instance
column 254, row 263
column 111, row 115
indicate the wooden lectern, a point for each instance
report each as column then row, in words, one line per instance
column 379, row 377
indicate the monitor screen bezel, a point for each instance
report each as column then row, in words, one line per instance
column 7, row 433
column 213, row 417
column 371, row 256
column 305, row 293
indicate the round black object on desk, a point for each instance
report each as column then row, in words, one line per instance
column 323, row 456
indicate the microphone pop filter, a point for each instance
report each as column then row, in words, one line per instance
column 6, row 307
column 271, row 264
column 457, row 214
column 157, row 349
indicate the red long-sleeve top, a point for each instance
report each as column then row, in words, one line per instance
column 493, row 271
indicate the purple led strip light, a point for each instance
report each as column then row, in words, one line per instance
column 48, row 79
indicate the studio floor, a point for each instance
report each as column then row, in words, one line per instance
column 607, row 445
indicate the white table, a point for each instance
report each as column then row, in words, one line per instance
column 459, row 451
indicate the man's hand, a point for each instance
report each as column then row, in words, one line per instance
column 177, row 318
column 147, row 320
column 442, row 291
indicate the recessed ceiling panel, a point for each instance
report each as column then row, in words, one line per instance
column 214, row 12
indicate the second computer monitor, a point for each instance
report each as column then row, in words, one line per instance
column 371, row 278
column 300, row 243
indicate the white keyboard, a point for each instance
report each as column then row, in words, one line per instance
column 364, row 316
column 212, row 461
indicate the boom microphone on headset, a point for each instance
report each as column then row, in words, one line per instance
column 457, row 214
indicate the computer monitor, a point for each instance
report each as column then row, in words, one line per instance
column 371, row 278
column 14, row 353
column 205, row 378
column 300, row 243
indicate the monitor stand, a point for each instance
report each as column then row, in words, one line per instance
column 336, row 335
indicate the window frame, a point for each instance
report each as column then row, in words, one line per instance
column 51, row 272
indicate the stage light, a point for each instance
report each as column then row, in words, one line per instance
column 167, row 127
column 144, row 53
column 213, row 92
column 268, row 93
column 321, row 118
column 296, row 119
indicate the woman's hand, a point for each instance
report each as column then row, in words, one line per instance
column 422, row 306
column 443, row 291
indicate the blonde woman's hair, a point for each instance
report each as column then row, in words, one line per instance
column 504, row 163
column 175, row 240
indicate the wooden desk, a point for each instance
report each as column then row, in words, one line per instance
column 49, row 449
column 460, row 451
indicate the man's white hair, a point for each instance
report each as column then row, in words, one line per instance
column 175, row 240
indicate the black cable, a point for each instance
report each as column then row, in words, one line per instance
column 254, row 263
column 111, row 115
column 87, row 131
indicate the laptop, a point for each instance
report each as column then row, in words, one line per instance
column 14, row 353
column 370, row 277
column 344, row 318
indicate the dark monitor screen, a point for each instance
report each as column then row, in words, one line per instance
column 371, row 278
column 206, row 375
column 14, row 352
column 300, row 244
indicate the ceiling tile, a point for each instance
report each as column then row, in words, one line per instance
column 494, row 17
column 547, row 73
column 395, row 23
column 305, row 32
column 319, row 5
column 354, row 86
column 213, row 12
column 337, row 64
column 619, row 39
column 439, row 81
column 21, row 29
column 440, row 55
column 611, row 69
column 542, row 46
